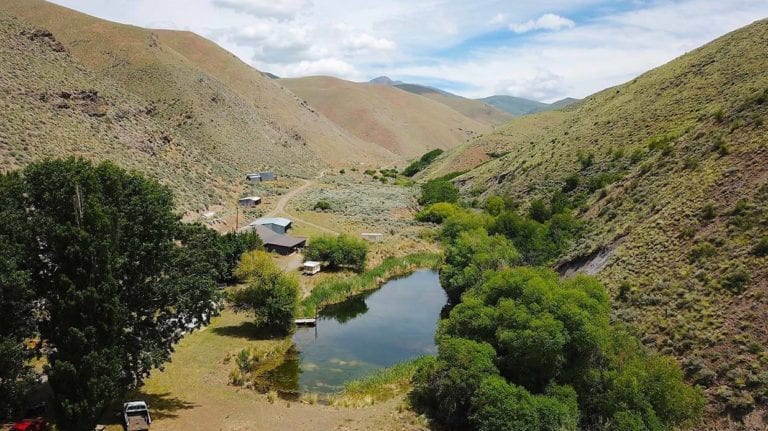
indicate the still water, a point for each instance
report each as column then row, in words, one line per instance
column 368, row 332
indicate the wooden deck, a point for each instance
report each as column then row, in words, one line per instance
column 311, row 321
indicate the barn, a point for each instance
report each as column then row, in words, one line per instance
column 276, row 224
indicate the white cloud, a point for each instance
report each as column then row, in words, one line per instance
column 499, row 18
column 323, row 66
column 538, row 85
column 280, row 9
column 366, row 42
column 547, row 21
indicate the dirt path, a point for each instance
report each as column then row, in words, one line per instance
column 283, row 201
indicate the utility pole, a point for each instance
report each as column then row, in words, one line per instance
column 237, row 218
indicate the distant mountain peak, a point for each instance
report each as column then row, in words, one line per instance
column 384, row 80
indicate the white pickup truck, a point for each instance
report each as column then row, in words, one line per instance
column 136, row 416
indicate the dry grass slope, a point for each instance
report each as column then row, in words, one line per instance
column 673, row 169
column 196, row 97
column 401, row 122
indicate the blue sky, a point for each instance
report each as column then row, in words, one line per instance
column 543, row 50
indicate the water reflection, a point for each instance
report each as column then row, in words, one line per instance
column 378, row 329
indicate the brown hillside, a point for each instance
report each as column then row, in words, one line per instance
column 404, row 123
column 222, row 107
column 672, row 179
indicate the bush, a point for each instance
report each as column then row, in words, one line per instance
column 736, row 281
column 438, row 190
column 539, row 211
column 337, row 252
column 709, row 211
column 437, row 213
column 444, row 388
column 271, row 295
column 571, row 182
column 761, row 248
column 422, row 163
column 499, row 406
column 585, row 159
column 322, row 206
column 494, row 205
column 473, row 253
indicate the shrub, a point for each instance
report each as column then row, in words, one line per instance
column 721, row 147
column 438, row 190
column 585, row 159
column 494, row 205
column 473, row 253
column 499, row 406
column 422, row 163
column 270, row 295
column 539, row 211
column 571, row 182
column 761, row 248
column 341, row 251
column 709, row 211
column 322, row 205
column 444, row 388
column 437, row 213
column 736, row 281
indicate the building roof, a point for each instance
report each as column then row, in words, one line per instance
column 270, row 237
column 250, row 198
column 311, row 263
column 280, row 221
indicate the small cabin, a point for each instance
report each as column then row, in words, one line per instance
column 267, row 176
column 373, row 237
column 311, row 267
column 249, row 201
column 253, row 178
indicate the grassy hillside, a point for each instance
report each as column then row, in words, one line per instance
column 401, row 122
column 53, row 106
column 517, row 106
column 475, row 109
column 670, row 171
column 193, row 93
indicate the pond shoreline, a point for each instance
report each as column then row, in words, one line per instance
column 337, row 290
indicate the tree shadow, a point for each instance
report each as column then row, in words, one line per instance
column 249, row 331
column 161, row 406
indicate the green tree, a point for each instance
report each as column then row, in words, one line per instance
column 338, row 252
column 270, row 295
column 439, row 190
column 444, row 387
column 469, row 256
column 499, row 406
column 539, row 211
column 495, row 205
column 100, row 249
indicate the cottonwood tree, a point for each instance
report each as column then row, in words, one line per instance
column 99, row 246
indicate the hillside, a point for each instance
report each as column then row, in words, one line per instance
column 475, row 109
column 206, row 116
column 401, row 122
column 670, row 173
column 518, row 106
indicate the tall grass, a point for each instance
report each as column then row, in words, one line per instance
column 379, row 386
column 335, row 290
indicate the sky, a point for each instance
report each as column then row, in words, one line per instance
column 542, row 50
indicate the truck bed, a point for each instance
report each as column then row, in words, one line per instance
column 137, row 423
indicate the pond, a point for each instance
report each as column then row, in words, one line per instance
column 378, row 329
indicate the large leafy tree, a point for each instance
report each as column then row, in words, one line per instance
column 270, row 294
column 100, row 248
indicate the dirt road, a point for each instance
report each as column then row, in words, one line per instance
column 283, row 201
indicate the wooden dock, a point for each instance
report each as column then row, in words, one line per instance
column 311, row 321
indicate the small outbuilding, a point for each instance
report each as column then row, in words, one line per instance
column 256, row 177
column 249, row 201
column 253, row 178
column 311, row 267
column 267, row 176
column 373, row 237
column 276, row 224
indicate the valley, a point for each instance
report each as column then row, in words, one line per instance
column 604, row 259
